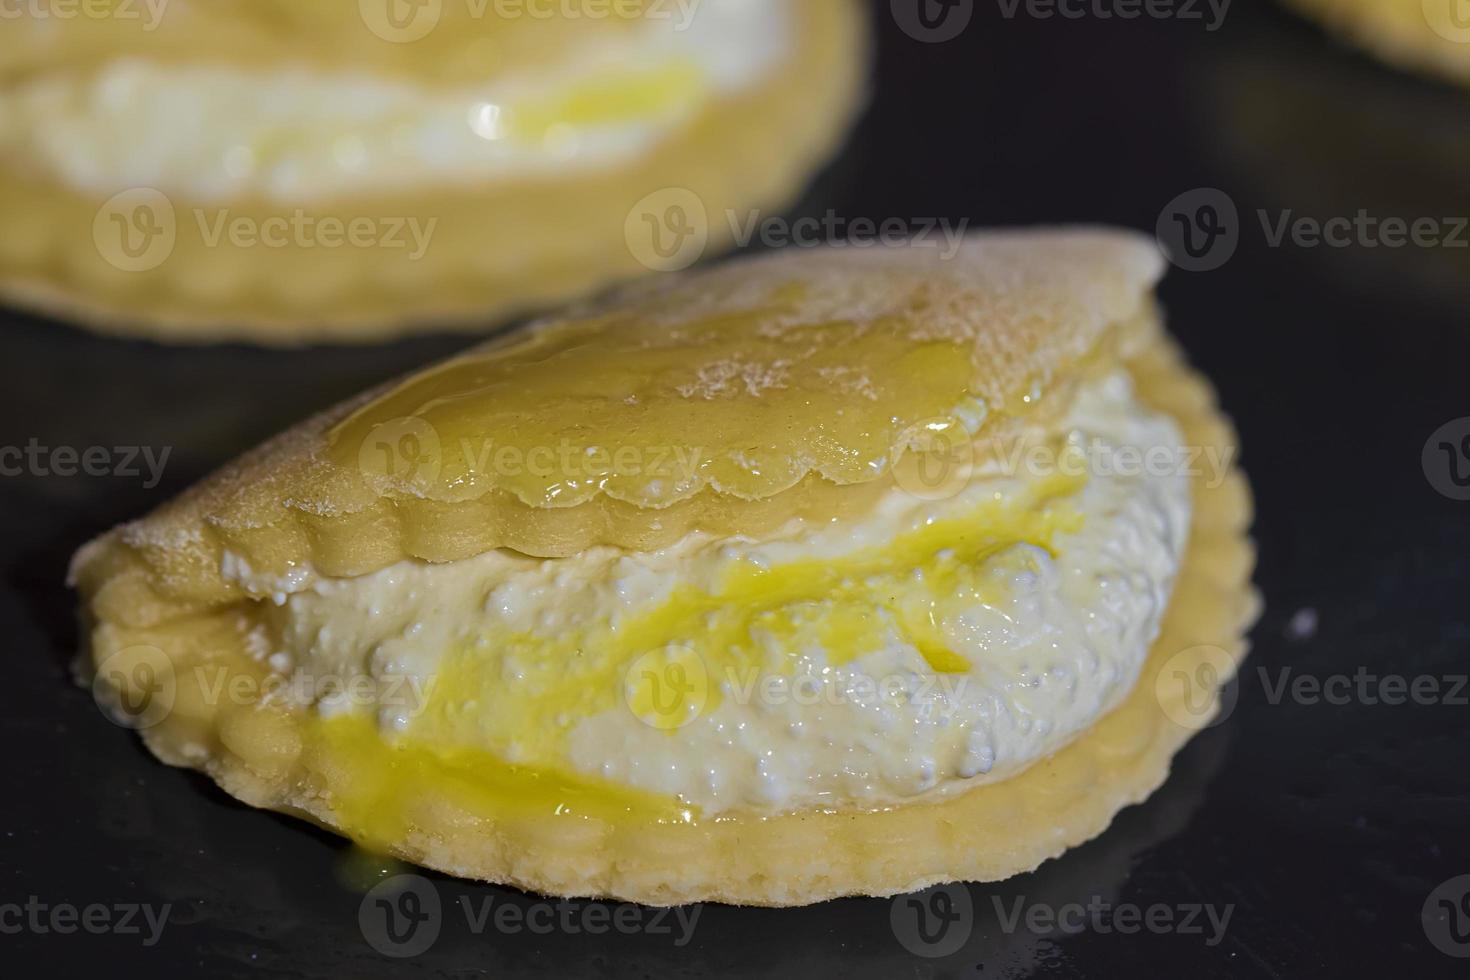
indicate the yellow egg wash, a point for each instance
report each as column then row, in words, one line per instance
column 614, row 99
column 520, row 695
column 376, row 785
column 650, row 412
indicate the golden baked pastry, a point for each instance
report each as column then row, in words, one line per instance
column 286, row 172
column 829, row 572
column 1431, row 36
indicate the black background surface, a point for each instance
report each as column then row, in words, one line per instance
column 1324, row 827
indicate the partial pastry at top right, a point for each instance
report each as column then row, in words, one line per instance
column 1426, row 36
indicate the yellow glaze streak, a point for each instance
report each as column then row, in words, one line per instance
column 611, row 100
column 376, row 785
column 754, row 620
column 650, row 412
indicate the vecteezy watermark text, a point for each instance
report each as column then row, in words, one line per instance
column 128, row 462
column 670, row 229
column 943, row 459
column 148, row 13
column 409, row 449
column 1364, row 687
column 136, row 230
column 1210, row 12
column 673, row 686
column 137, row 687
column 303, row 230
column 1102, row 917
column 406, row 21
column 836, row 231
column 97, row 918
column 404, row 915
column 1200, row 229
column 938, row 922
column 936, row 21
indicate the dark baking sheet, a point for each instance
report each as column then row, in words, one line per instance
column 1327, row 830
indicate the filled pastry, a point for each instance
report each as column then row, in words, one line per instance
column 1431, row 36
column 834, row 571
column 286, row 172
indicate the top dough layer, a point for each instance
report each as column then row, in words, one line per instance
column 768, row 361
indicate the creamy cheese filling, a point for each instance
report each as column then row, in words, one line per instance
column 929, row 646
column 218, row 133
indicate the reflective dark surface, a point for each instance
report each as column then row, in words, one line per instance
column 1321, row 829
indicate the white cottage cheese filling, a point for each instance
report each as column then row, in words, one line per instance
column 879, row 664
column 219, row 133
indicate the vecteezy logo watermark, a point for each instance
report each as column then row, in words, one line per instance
column 670, row 687
column 405, row 21
column 401, row 21
column 933, row 923
column 147, row 13
column 135, row 230
column 402, row 696
column 669, row 230
column 65, row 918
column 298, row 229
column 667, row 688
column 404, row 449
column 128, row 462
column 574, row 918
column 935, row 21
column 932, row 21
column 1194, row 689
column 403, row 916
column 1446, row 917
column 934, row 695
column 135, row 686
column 1093, row 456
column 937, row 459
column 833, row 230
column 1199, row 230
column 1450, row 19
column 138, row 229
column 1103, row 917
column 1446, row 459
column 408, row 450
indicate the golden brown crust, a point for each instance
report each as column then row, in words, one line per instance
column 1023, row 308
column 988, row 833
column 487, row 251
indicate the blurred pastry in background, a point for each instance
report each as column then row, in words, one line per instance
column 1430, row 36
column 285, row 172
column 1305, row 134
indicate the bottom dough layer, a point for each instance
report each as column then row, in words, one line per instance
column 985, row 834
